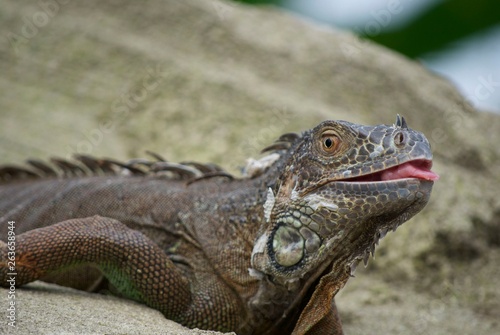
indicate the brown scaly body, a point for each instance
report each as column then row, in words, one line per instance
column 262, row 254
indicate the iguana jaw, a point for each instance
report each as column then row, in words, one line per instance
column 399, row 168
column 361, row 209
column 417, row 168
column 416, row 172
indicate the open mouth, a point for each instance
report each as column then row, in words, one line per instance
column 417, row 169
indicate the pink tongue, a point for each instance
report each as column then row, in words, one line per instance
column 409, row 170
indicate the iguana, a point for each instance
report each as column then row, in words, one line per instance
column 265, row 253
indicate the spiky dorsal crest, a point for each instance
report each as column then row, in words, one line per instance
column 88, row 166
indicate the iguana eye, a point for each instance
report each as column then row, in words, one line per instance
column 330, row 142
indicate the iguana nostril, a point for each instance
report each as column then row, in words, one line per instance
column 399, row 139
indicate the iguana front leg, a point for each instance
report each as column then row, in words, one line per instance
column 130, row 260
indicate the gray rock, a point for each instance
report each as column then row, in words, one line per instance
column 50, row 309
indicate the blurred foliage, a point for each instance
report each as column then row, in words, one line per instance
column 261, row 2
column 443, row 24
column 434, row 29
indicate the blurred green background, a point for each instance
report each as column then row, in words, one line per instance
column 458, row 39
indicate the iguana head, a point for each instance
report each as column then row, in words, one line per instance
column 342, row 187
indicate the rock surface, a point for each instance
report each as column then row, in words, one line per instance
column 216, row 81
column 50, row 309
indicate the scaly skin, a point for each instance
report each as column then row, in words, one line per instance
column 263, row 254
